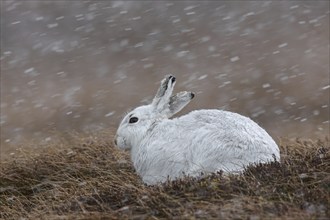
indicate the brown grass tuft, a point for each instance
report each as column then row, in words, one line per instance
column 87, row 178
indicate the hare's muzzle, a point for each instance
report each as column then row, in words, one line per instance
column 115, row 140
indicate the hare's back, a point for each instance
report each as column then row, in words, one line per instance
column 219, row 125
column 224, row 120
column 227, row 140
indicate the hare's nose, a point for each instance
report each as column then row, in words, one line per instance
column 115, row 140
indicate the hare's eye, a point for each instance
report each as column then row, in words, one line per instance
column 133, row 120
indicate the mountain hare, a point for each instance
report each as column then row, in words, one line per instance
column 201, row 141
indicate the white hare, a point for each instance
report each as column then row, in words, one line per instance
column 201, row 141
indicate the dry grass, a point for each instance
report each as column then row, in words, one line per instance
column 87, row 178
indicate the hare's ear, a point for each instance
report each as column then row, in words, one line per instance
column 179, row 101
column 162, row 98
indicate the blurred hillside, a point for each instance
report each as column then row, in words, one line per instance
column 79, row 65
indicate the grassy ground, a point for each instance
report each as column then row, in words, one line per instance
column 87, row 178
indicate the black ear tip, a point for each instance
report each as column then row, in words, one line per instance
column 172, row 78
column 192, row 95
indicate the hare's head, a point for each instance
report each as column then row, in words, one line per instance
column 137, row 123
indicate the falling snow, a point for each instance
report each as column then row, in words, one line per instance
column 68, row 66
column 283, row 45
column 234, row 59
column 52, row 25
column 266, row 85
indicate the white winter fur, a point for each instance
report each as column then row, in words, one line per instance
column 202, row 141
